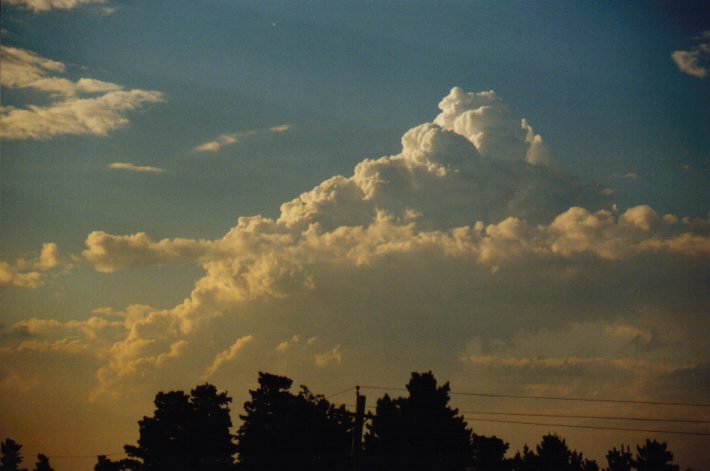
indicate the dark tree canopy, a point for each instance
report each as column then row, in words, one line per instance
column 419, row 432
column 43, row 463
column 619, row 460
column 105, row 464
column 552, row 454
column 11, row 456
column 186, row 432
column 489, row 454
column 282, row 430
column 654, row 456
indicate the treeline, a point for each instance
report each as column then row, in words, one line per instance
column 283, row 430
column 12, row 458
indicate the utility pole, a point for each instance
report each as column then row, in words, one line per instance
column 357, row 429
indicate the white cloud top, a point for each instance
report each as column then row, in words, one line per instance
column 489, row 124
column 83, row 107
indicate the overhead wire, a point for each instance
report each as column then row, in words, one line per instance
column 340, row 392
column 572, row 416
column 72, row 457
column 593, row 427
column 556, row 398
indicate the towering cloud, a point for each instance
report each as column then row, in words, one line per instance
column 464, row 252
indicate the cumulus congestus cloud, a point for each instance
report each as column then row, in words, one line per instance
column 457, row 254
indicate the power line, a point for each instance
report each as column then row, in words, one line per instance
column 340, row 392
column 597, row 417
column 571, row 416
column 557, row 398
column 594, row 427
column 74, row 457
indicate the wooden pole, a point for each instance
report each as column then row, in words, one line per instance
column 357, row 429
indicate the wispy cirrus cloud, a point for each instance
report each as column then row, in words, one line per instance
column 229, row 139
column 134, row 168
column 83, row 107
column 227, row 355
column 47, row 5
column 218, row 143
column 696, row 61
column 626, row 176
column 281, row 128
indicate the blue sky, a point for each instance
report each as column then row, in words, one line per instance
column 303, row 91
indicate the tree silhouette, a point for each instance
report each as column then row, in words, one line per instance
column 525, row 461
column 186, row 432
column 419, row 432
column 654, row 456
column 619, row 460
column 11, row 456
column 43, row 463
column 489, row 454
column 105, row 464
column 553, row 454
column 281, row 430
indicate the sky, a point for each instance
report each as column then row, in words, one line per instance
column 511, row 194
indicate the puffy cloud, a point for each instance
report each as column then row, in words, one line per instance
column 47, row 5
column 286, row 344
column 70, row 110
column 485, row 120
column 217, row 144
column 134, row 168
column 410, row 261
column 9, row 276
column 30, row 274
column 696, row 61
column 334, row 356
column 109, row 253
column 95, row 327
column 227, row 355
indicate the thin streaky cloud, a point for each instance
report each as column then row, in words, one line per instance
column 229, row 139
column 134, row 168
column 69, row 111
column 281, row 128
column 227, row 355
column 626, row 176
column 217, row 144
column 46, row 5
